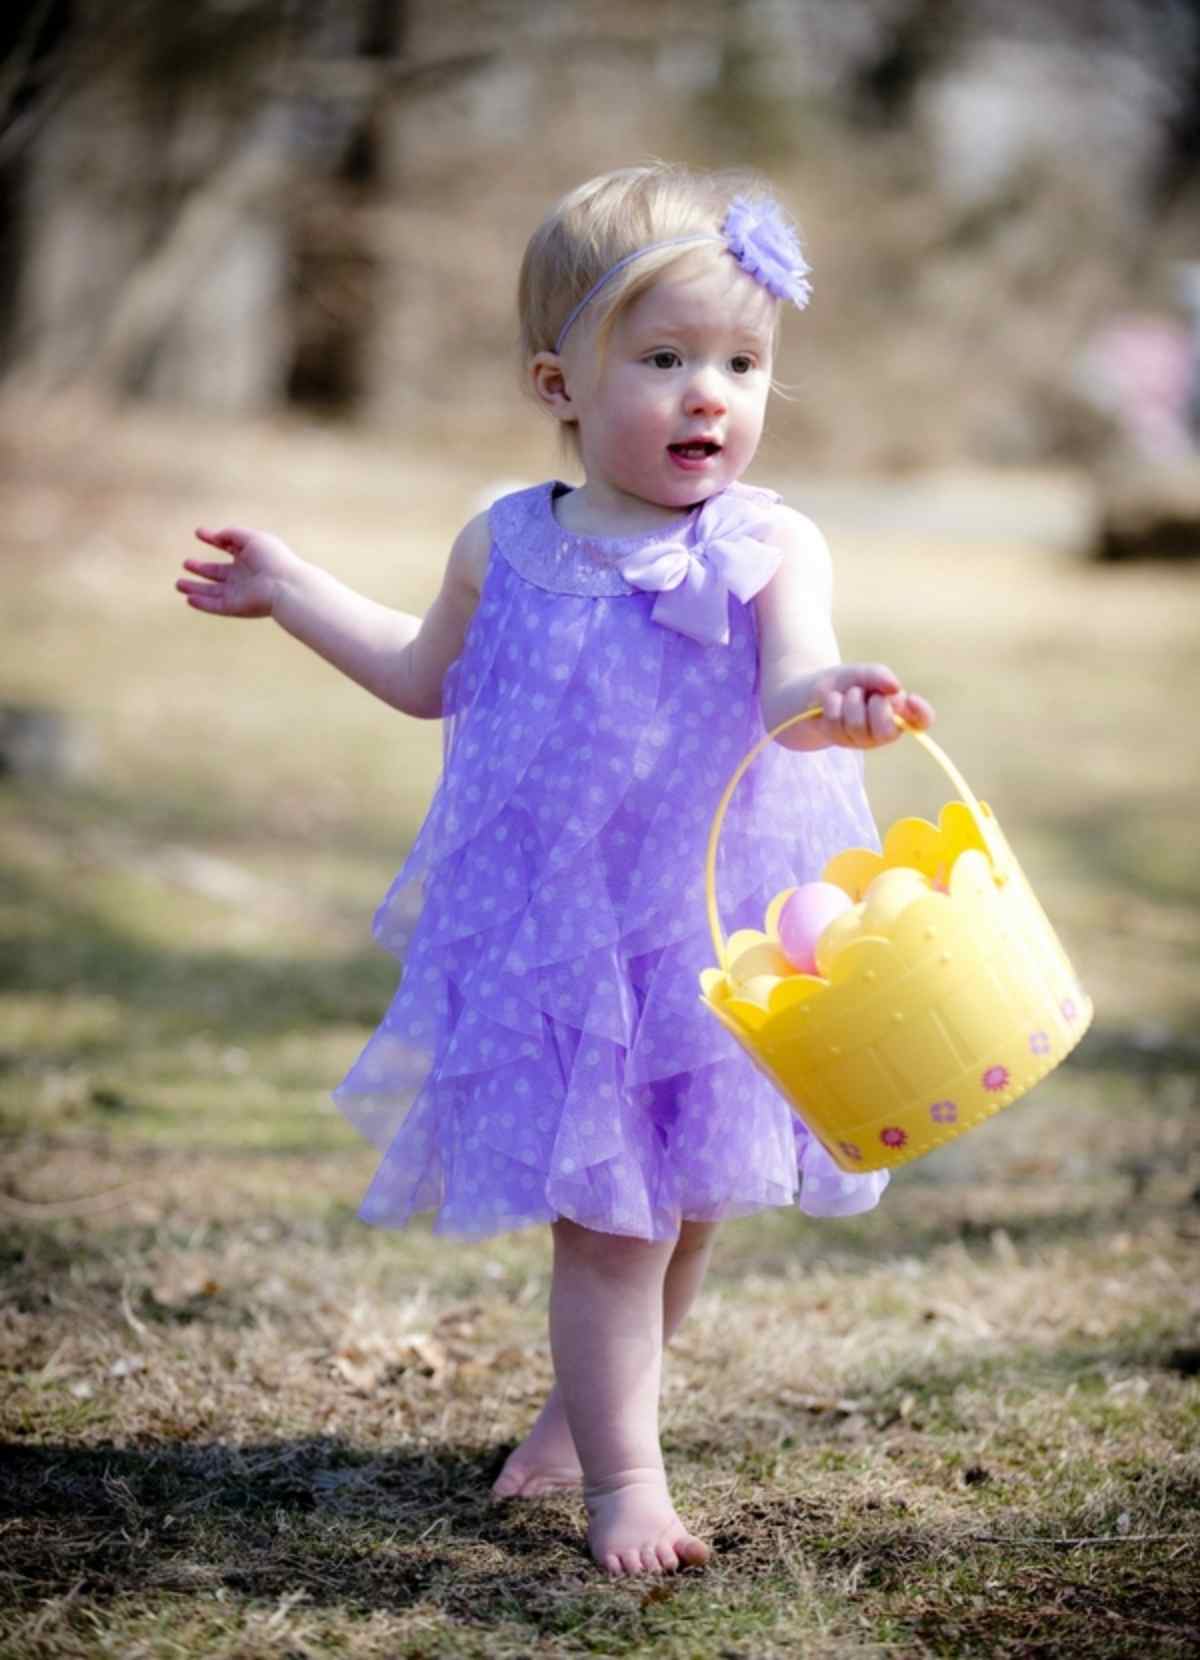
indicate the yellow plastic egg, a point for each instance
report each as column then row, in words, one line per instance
column 757, row 960
column 840, row 932
column 760, row 987
column 891, row 892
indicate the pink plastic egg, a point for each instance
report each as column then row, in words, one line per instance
column 805, row 917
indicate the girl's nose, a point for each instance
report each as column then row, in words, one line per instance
column 705, row 394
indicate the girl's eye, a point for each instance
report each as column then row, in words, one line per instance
column 742, row 364
column 665, row 360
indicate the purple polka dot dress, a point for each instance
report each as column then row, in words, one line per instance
column 546, row 1054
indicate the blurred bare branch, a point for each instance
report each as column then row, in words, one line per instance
column 15, row 68
column 354, row 80
column 241, row 184
column 27, row 71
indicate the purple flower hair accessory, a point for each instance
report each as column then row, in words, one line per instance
column 765, row 244
column 758, row 236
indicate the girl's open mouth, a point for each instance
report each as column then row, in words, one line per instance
column 695, row 452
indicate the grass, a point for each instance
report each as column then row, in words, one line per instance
column 236, row 1422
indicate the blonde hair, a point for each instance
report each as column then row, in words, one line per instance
column 604, row 221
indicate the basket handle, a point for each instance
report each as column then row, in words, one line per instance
column 995, row 848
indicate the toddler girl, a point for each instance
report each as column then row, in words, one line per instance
column 603, row 656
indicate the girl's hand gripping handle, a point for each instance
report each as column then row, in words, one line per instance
column 248, row 584
column 860, row 703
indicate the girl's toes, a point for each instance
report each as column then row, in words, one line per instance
column 692, row 1552
column 641, row 1510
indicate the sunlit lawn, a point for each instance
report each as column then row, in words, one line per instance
column 238, row 1422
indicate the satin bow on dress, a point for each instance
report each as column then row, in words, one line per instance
column 694, row 583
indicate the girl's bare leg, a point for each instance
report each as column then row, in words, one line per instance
column 606, row 1334
column 685, row 1273
column 546, row 1461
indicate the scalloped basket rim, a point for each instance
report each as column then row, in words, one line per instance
column 954, row 817
column 854, row 960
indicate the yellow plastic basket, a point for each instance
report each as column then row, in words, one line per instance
column 925, row 1027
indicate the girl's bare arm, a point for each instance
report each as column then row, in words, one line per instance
column 800, row 665
column 400, row 658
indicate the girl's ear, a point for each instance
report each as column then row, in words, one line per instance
column 549, row 382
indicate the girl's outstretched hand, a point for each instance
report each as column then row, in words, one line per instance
column 246, row 584
column 858, row 701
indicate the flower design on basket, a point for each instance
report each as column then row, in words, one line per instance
column 893, row 1136
column 850, row 1150
column 693, row 584
column 1068, row 1008
column 763, row 242
column 995, row 1077
column 1039, row 1043
column 944, row 1112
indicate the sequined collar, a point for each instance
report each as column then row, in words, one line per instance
column 612, row 549
column 531, row 540
column 528, row 536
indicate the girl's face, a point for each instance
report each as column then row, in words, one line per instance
column 673, row 410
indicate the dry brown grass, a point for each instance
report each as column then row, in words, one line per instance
column 239, row 1423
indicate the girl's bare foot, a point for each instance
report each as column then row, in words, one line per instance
column 545, row 1462
column 633, row 1528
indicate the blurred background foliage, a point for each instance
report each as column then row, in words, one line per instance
column 249, row 205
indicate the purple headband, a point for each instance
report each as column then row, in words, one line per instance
column 757, row 235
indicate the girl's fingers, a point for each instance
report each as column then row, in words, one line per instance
column 870, row 677
column 916, row 711
column 880, row 721
column 229, row 540
column 202, row 596
column 862, row 712
column 202, row 567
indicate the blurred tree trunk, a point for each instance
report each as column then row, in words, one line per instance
column 193, row 218
column 336, row 270
column 199, row 320
column 30, row 40
column 147, row 235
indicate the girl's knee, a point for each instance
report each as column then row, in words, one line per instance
column 609, row 1252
